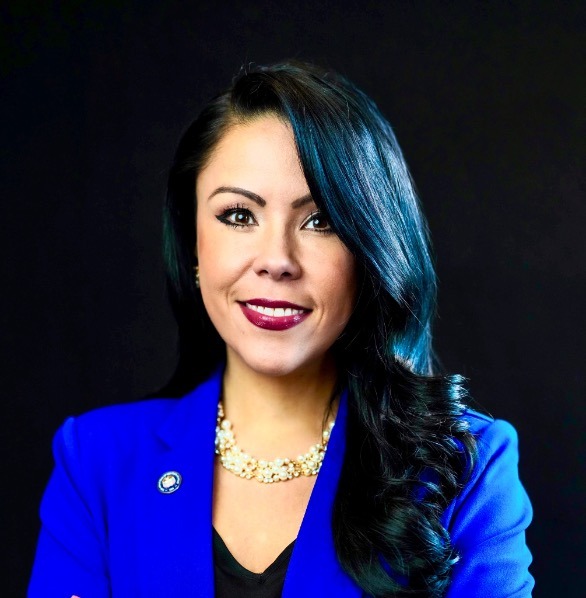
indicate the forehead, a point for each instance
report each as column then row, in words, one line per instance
column 262, row 147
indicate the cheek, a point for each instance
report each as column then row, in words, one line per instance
column 211, row 250
column 340, row 284
column 210, row 259
column 222, row 259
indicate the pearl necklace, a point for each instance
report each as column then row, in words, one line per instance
column 242, row 464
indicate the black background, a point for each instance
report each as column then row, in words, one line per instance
column 488, row 102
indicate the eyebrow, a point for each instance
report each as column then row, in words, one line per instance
column 298, row 203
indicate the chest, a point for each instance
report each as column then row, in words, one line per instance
column 257, row 521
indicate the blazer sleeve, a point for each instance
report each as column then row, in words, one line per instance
column 487, row 522
column 70, row 559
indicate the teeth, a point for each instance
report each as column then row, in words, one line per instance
column 278, row 312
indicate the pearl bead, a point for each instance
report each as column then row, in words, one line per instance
column 243, row 465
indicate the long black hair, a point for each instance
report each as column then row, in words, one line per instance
column 408, row 448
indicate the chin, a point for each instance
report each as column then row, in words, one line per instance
column 275, row 365
column 274, row 368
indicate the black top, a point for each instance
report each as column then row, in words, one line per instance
column 232, row 579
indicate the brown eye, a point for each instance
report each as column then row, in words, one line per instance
column 318, row 222
column 237, row 217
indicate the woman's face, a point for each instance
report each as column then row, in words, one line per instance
column 277, row 283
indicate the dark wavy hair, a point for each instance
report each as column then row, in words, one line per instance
column 408, row 448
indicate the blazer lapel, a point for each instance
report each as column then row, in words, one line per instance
column 183, row 557
column 314, row 569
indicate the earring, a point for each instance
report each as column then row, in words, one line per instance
column 196, row 271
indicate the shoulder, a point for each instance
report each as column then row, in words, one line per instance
column 109, row 436
column 493, row 482
column 496, row 459
column 494, row 437
column 143, row 422
column 127, row 419
column 487, row 520
column 125, row 422
column 122, row 434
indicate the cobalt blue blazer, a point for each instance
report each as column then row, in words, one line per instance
column 108, row 530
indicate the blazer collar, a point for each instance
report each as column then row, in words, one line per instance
column 189, row 434
column 314, row 569
column 176, row 555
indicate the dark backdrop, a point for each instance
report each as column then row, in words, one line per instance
column 487, row 100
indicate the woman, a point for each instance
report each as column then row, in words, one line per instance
column 300, row 275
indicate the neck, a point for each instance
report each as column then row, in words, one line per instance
column 278, row 415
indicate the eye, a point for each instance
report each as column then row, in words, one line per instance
column 238, row 217
column 318, row 222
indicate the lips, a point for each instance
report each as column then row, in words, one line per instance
column 273, row 314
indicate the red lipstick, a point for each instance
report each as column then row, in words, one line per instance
column 272, row 314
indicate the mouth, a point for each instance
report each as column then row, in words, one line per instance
column 271, row 314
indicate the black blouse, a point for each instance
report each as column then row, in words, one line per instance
column 232, row 579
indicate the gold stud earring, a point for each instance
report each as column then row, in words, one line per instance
column 196, row 270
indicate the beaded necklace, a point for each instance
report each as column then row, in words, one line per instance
column 279, row 470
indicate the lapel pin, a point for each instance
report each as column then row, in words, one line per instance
column 169, row 482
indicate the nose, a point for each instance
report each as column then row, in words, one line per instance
column 277, row 255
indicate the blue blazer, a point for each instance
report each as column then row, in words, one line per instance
column 108, row 530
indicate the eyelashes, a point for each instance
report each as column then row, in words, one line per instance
column 320, row 218
column 239, row 216
column 236, row 217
